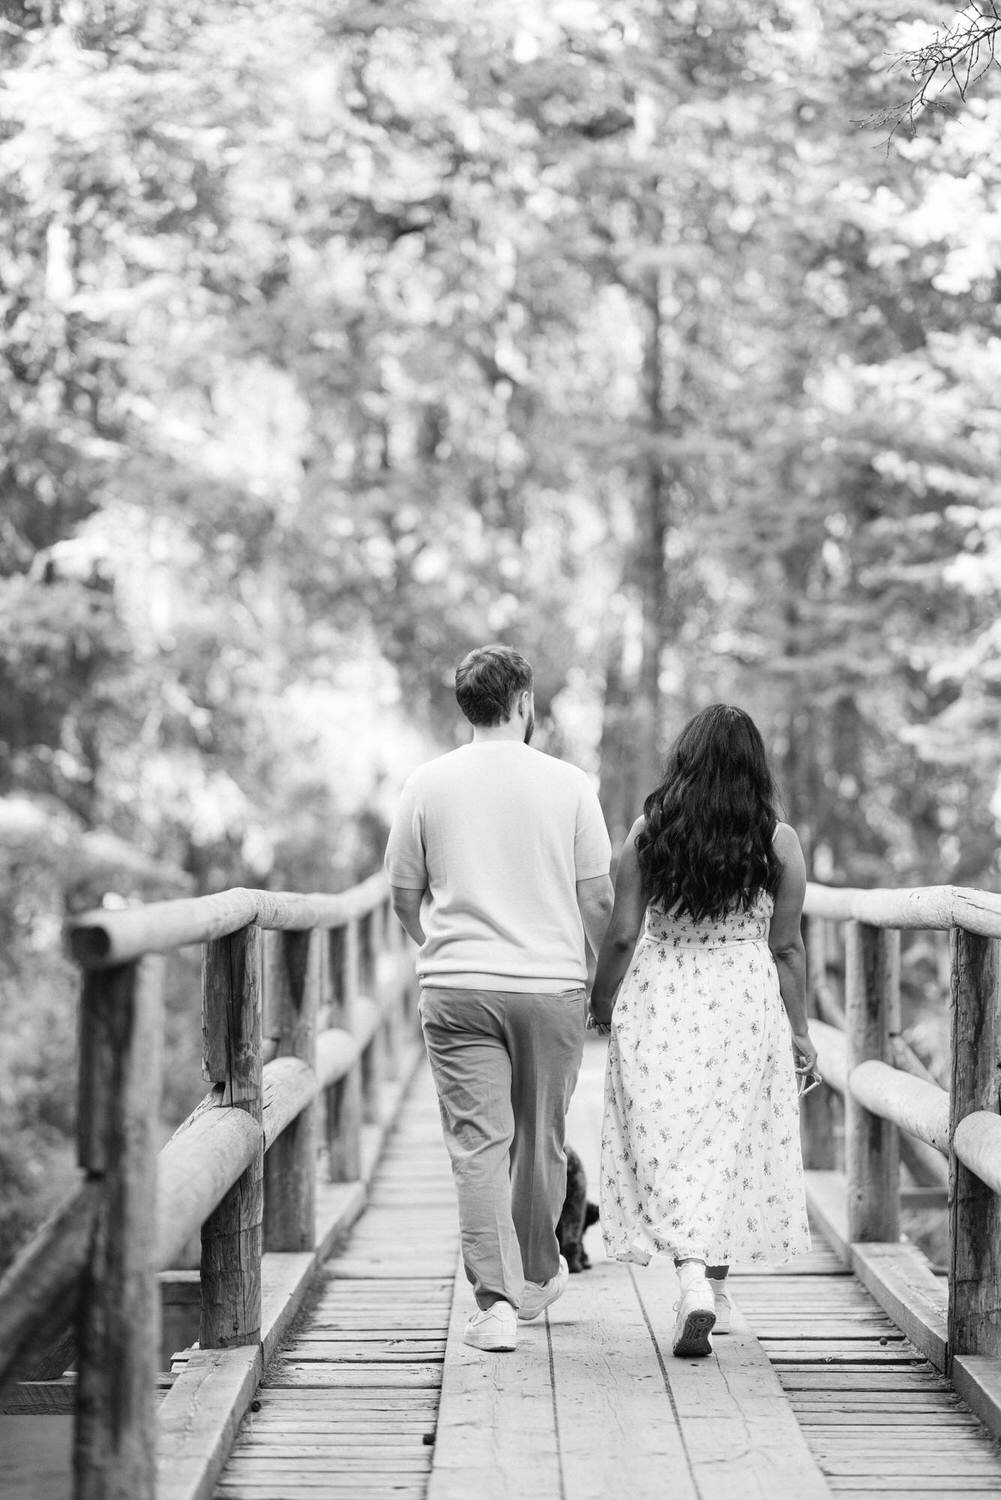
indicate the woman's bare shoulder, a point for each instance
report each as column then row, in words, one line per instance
column 636, row 829
column 786, row 841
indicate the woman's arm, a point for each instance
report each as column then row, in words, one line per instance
column 623, row 930
column 786, row 942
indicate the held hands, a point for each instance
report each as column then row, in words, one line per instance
column 599, row 1018
column 805, row 1060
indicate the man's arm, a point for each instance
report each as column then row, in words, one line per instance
column 407, row 906
column 594, row 898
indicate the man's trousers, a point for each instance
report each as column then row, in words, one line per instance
column 505, row 1065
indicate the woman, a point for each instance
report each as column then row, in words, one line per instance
column 700, row 1140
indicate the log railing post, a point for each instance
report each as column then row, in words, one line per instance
column 820, row 1126
column 118, row 1311
column 290, row 1162
column 344, row 1105
column 872, row 1014
column 231, row 1235
column 975, row 1210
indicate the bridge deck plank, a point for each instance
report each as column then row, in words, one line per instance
column 879, row 1419
column 350, row 1404
column 824, row 1397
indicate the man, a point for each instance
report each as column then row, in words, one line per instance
column 498, row 862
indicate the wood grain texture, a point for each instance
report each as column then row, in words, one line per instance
column 977, row 1143
column 876, row 1425
column 199, row 1418
column 902, row 1282
column 117, row 1325
column 196, row 1168
column 872, row 1013
column 291, row 1143
column 821, row 1112
column 739, row 1432
column 38, row 1291
column 102, row 939
column 913, row 1104
column 608, row 1379
column 940, row 907
column 496, row 1418
column 232, row 1234
column 975, row 1213
column 344, row 1106
column 351, row 1397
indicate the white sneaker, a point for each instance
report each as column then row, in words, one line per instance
column 696, row 1316
column 721, row 1298
column 536, row 1298
column 493, row 1328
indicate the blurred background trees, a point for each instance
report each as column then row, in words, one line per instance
column 336, row 339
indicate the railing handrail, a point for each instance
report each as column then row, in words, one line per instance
column 101, row 939
column 862, row 1061
column 242, row 1166
column 932, row 907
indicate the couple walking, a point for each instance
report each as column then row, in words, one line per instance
column 498, row 862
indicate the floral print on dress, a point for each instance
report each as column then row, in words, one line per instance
column 700, row 1155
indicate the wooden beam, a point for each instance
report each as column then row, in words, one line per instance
column 290, row 1162
column 38, row 1291
column 344, row 1099
column 920, row 1108
column 872, row 1012
column 821, row 1113
column 977, row 1379
column 199, row 1418
column 197, row 1167
column 903, row 1283
column 939, row 907
column 215, row 1144
column 977, row 1143
column 102, row 939
column 118, row 1312
column 494, row 1408
column 740, row 1434
column 213, row 1388
column 899, row 1276
column 975, row 1218
column 232, row 1234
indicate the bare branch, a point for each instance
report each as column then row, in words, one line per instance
column 952, row 62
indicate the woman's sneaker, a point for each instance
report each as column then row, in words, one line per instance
column 493, row 1328
column 536, row 1298
column 721, row 1297
column 696, row 1316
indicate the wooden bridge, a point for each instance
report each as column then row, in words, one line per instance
column 323, row 1355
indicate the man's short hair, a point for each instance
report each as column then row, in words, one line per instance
column 488, row 681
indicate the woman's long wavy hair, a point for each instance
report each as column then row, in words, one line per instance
column 706, row 846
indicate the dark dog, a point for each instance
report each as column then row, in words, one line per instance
column 577, row 1215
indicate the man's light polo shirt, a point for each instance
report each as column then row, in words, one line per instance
column 497, row 835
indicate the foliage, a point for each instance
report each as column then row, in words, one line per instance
column 337, row 340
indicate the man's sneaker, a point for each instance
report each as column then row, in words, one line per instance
column 536, row 1298
column 696, row 1316
column 493, row 1328
column 721, row 1297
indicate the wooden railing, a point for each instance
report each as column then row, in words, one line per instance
column 893, row 1108
column 306, row 1002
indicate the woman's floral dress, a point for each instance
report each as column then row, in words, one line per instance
column 700, row 1141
